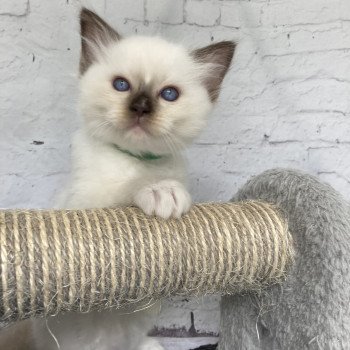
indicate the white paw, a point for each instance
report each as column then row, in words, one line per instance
column 165, row 199
column 150, row 344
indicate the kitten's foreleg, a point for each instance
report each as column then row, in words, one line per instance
column 167, row 198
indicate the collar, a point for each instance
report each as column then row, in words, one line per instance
column 144, row 156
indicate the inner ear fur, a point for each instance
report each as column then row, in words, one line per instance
column 95, row 35
column 219, row 55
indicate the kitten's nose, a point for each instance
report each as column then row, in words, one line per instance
column 141, row 106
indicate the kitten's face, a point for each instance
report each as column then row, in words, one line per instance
column 143, row 93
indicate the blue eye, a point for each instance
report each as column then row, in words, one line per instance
column 121, row 84
column 169, row 94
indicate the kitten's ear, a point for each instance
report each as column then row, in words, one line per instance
column 219, row 57
column 95, row 35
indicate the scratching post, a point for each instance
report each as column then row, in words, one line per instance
column 82, row 260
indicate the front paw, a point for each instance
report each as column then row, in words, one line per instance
column 165, row 199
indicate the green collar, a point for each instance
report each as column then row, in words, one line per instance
column 142, row 156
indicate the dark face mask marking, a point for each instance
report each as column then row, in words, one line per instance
column 141, row 105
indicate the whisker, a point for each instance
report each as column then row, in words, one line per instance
column 101, row 126
column 174, row 144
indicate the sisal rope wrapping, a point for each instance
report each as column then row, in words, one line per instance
column 82, row 260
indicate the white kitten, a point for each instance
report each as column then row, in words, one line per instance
column 142, row 99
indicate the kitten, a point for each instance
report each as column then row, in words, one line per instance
column 143, row 100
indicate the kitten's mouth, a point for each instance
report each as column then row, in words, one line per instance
column 139, row 126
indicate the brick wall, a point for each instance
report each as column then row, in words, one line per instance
column 285, row 102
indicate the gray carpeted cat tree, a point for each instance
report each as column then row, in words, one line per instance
column 311, row 309
column 58, row 261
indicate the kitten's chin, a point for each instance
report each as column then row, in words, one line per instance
column 137, row 132
column 135, row 139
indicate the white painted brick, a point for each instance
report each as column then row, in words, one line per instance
column 344, row 10
column 47, row 161
column 330, row 159
column 14, row 8
column 267, row 98
column 18, row 191
column 251, row 131
column 319, row 95
column 241, row 13
column 297, row 12
column 223, row 33
column 329, row 36
column 131, row 27
column 205, row 309
column 311, row 64
column 254, row 160
column 313, row 127
column 202, row 12
column 220, row 175
column 188, row 35
column 322, row 37
column 117, row 9
column 231, row 14
column 167, row 11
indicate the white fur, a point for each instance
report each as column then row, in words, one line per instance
column 165, row 199
column 156, row 63
column 103, row 176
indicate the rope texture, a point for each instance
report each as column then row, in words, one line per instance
column 82, row 260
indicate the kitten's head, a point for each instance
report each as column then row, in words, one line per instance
column 144, row 93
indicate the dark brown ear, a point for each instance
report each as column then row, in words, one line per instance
column 220, row 56
column 95, row 34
